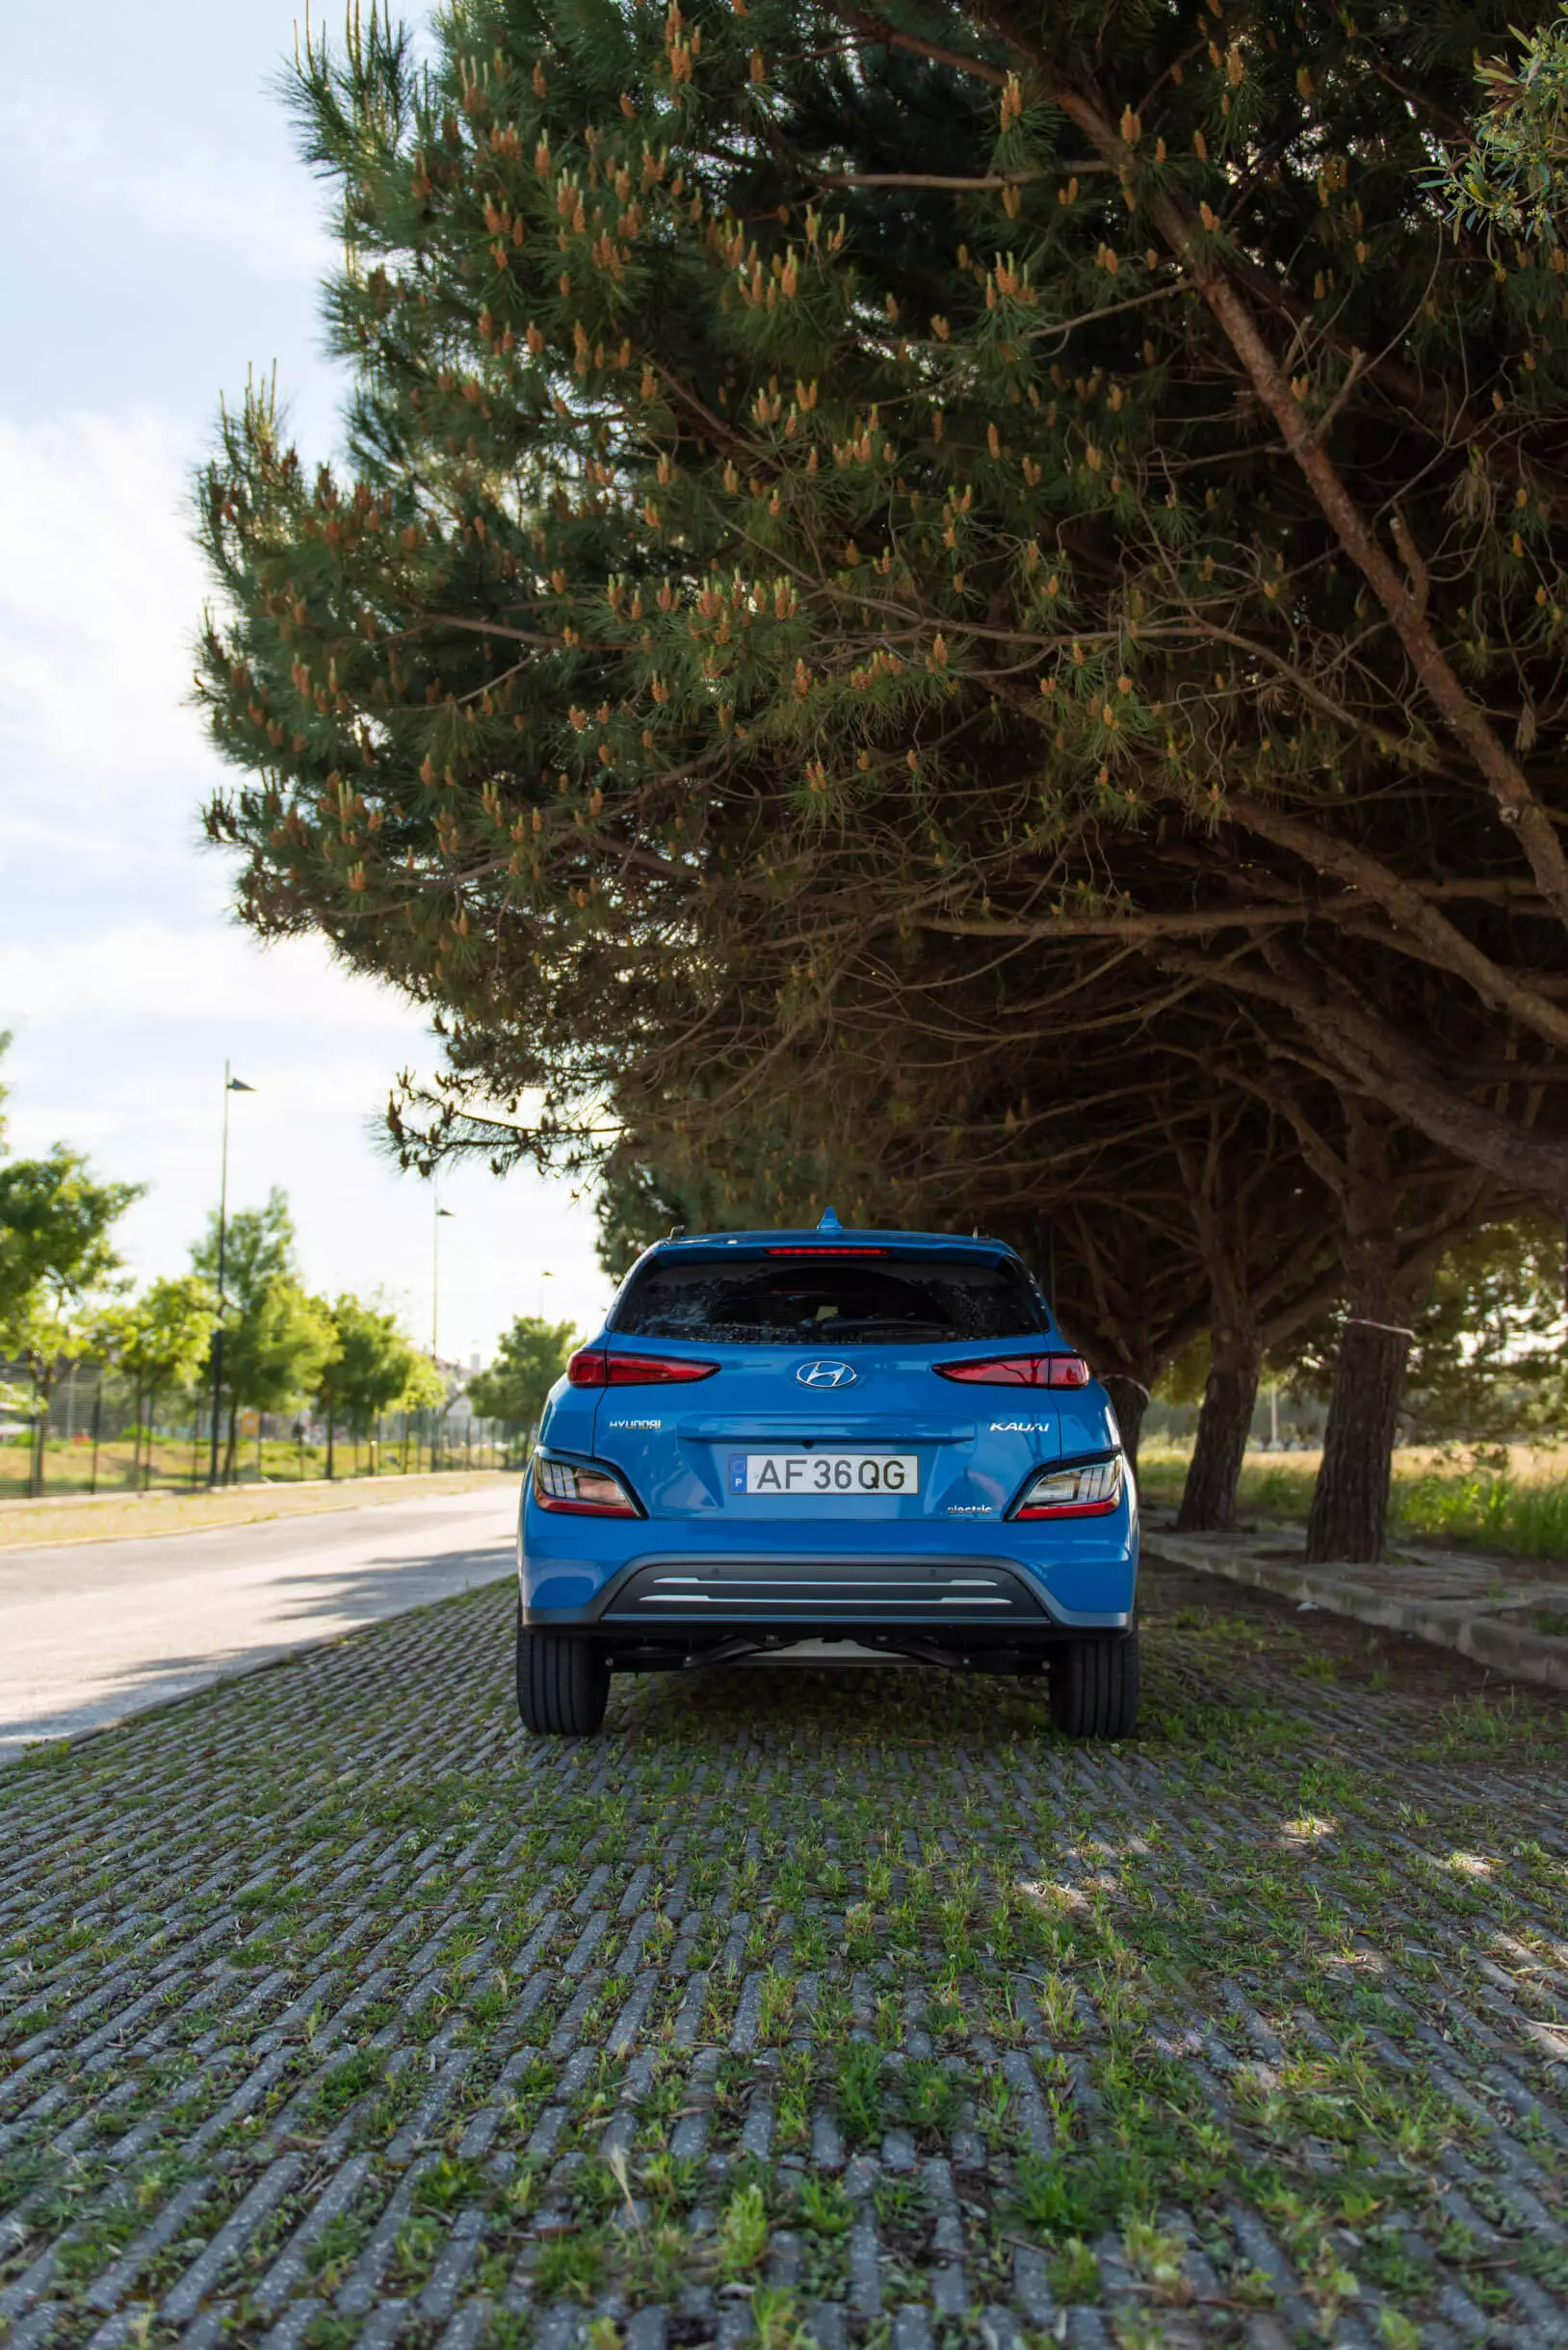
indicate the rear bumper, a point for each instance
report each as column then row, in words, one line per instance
column 683, row 1591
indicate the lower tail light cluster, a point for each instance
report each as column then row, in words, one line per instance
column 598, row 1367
column 1021, row 1370
column 580, row 1492
column 1093, row 1489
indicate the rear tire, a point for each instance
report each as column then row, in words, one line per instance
column 562, row 1684
column 1094, row 1688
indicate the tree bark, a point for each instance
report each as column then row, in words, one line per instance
column 1350, row 1503
column 1129, row 1400
column 330, row 1435
column 1224, row 1422
column 232, row 1446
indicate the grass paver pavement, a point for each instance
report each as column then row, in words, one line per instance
column 846, row 2007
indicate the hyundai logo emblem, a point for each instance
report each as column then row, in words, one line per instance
column 825, row 1374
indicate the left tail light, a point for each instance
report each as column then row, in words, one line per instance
column 1021, row 1370
column 580, row 1492
column 1090, row 1490
column 597, row 1367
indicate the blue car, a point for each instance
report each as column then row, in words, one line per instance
column 875, row 1438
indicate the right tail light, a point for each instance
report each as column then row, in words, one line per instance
column 1090, row 1490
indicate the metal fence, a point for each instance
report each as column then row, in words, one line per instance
column 93, row 1433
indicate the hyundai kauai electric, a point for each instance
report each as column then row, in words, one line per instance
column 875, row 1438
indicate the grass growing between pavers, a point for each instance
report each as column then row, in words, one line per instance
column 845, row 2007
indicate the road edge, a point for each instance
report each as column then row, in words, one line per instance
column 52, row 1741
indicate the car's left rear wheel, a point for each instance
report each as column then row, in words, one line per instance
column 562, row 1684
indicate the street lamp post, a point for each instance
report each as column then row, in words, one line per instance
column 232, row 1085
column 435, row 1307
column 435, row 1277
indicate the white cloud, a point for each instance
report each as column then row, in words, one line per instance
column 270, row 225
column 214, row 974
column 100, row 598
column 121, row 970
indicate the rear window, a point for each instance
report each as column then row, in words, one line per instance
column 925, row 1300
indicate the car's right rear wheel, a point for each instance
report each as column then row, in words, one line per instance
column 1094, row 1687
column 562, row 1684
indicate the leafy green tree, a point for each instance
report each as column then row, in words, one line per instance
column 1512, row 179
column 277, row 1339
column 367, row 1373
column 56, row 1251
column 529, row 1361
column 424, row 1390
column 1486, row 1360
column 159, row 1341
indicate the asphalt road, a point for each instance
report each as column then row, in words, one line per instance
column 103, row 1628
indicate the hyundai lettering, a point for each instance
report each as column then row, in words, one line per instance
column 875, row 1439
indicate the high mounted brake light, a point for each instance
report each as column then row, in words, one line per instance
column 1021, row 1370
column 597, row 1367
column 827, row 1252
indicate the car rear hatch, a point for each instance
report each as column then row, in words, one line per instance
column 830, row 1399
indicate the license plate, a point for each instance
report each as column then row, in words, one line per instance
column 804, row 1474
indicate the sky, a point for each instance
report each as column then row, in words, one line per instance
column 163, row 241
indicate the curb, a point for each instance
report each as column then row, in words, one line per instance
column 1504, row 1648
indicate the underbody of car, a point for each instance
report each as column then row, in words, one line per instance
column 877, row 1440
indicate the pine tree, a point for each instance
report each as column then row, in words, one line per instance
column 814, row 481
column 844, row 503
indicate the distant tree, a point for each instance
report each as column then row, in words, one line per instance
column 425, row 1389
column 159, row 1341
column 529, row 1361
column 367, row 1372
column 1486, row 1361
column 55, row 1253
column 258, row 1247
column 277, row 1339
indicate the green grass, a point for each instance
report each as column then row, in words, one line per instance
column 1493, row 1509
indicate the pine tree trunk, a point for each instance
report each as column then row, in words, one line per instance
column 1350, row 1503
column 1209, row 1496
column 1128, row 1401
